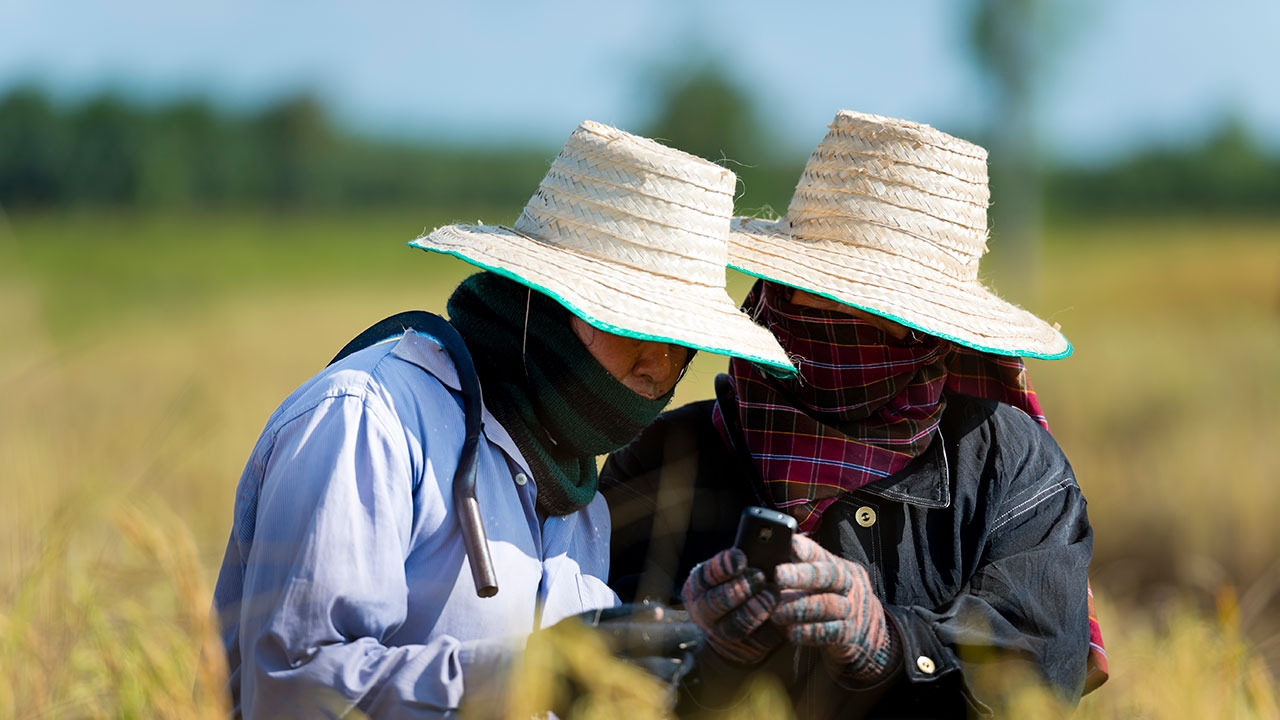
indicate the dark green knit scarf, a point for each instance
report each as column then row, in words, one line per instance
column 556, row 401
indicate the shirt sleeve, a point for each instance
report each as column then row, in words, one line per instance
column 325, row 586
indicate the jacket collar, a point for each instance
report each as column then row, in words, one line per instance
column 925, row 481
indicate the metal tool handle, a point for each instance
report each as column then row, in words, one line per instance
column 473, row 535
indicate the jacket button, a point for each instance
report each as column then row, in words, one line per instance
column 925, row 664
column 865, row 516
column 521, row 478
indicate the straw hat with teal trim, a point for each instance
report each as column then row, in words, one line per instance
column 632, row 237
column 890, row 216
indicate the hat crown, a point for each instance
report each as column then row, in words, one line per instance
column 898, row 187
column 631, row 201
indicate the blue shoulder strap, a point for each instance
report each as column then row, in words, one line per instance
column 464, row 479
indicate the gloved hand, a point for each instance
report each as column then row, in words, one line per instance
column 732, row 603
column 828, row 602
column 650, row 635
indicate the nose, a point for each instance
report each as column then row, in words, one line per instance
column 659, row 364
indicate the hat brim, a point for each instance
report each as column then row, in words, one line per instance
column 612, row 297
column 895, row 287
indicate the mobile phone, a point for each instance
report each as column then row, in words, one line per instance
column 765, row 536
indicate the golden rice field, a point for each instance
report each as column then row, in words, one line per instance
column 141, row 355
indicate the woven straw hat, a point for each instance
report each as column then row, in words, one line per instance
column 632, row 237
column 890, row 216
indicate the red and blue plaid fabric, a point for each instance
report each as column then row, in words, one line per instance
column 861, row 408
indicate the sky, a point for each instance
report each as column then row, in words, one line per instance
column 1125, row 74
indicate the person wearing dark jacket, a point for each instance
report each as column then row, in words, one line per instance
column 943, row 543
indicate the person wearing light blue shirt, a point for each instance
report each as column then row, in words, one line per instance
column 347, row 582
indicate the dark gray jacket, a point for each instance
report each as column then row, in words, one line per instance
column 979, row 550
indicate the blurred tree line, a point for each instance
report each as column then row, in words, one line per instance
column 1229, row 172
column 107, row 151
column 110, row 152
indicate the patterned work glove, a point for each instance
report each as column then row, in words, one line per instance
column 731, row 604
column 828, row 602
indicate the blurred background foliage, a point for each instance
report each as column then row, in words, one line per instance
column 108, row 151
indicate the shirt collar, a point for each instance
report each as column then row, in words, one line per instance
column 426, row 353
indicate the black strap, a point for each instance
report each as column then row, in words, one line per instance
column 397, row 324
column 464, row 478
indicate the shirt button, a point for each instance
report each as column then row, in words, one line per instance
column 521, row 478
column 925, row 664
column 866, row 516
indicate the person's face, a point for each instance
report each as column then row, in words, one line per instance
column 649, row 369
column 886, row 326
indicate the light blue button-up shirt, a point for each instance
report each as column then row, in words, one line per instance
column 345, row 582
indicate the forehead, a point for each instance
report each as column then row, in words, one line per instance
column 805, row 299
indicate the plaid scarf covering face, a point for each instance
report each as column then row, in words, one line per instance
column 859, row 410
column 863, row 405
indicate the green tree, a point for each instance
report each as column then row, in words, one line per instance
column 705, row 113
column 33, row 150
column 191, row 157
column 295, row 143
column 1010, row 41
column 107, row 138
